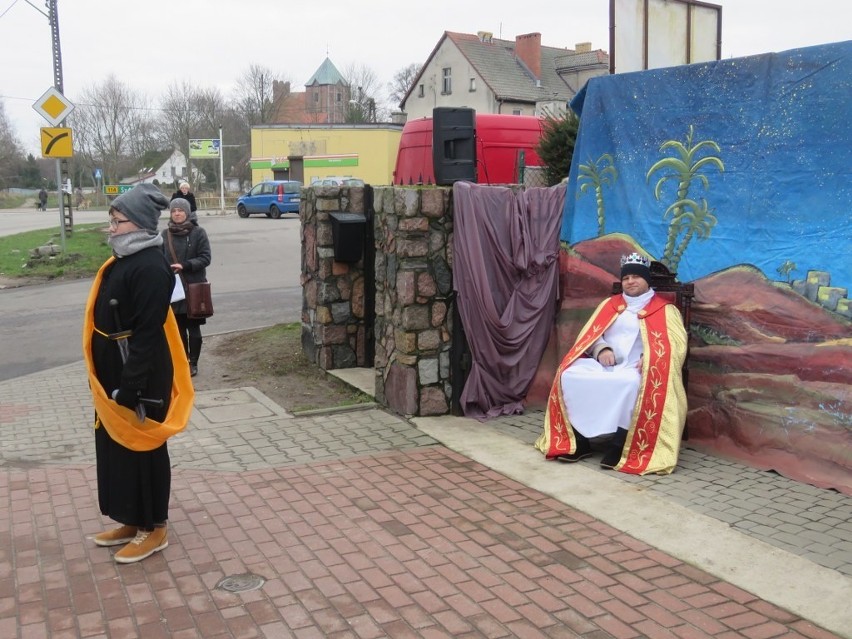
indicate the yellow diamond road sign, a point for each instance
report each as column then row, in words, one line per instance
column 53, row 106
column 56, row 143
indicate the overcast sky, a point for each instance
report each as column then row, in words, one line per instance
column 149, row 45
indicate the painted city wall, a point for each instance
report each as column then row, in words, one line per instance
column 737, row 175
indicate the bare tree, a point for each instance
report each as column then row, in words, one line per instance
column 253, row 97
column 401, row 83
column 112, row 126
column 179, row 117
column 11, row 152
column 364, row 90
column 213, row 114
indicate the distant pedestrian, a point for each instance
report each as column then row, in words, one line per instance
column 187, row 249
column 140, row 383
column 42, row 200
column 184, row 192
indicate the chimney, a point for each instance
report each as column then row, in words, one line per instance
column 583, row 47
column 528, row 51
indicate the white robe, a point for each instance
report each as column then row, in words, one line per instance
column 600, row 399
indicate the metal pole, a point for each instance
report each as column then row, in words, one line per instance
column 53, row 17
column 221, row 172
column 61, row 201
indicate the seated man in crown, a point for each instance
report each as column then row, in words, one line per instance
column 622, row 378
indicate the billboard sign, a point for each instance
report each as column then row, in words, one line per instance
column 204, row 149
column 651, row 34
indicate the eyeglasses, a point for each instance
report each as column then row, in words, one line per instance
column 114, row 222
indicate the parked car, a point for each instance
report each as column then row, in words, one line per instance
column 337, row 181
column 271, row 197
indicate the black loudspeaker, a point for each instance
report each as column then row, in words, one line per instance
column 453, row 145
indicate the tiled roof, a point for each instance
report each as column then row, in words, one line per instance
column 326, row 74
column 579, row 59
column 508, row 77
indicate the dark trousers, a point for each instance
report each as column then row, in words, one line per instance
column 190, row 335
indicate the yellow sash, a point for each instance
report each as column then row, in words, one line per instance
column 121, row 423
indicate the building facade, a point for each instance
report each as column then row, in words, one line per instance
column 490, row 75
column 364, row 151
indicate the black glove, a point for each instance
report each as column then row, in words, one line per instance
column 126, row 397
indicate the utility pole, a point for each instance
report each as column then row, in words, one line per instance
column 221, row 171
column 66, row 220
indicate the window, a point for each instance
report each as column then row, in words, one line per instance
column 338, row 96
column 421, row 91
column 516, row 112
column 316, row 97
column 447, row 86
column 472, row 85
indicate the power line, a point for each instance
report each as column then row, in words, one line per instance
column 8, row 8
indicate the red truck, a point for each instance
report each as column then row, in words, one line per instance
column 499, row 140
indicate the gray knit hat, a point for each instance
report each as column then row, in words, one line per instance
column 142, row 205
column 183, row 205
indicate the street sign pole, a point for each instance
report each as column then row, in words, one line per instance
column 58, row 85
column 221, row 172
column 61, row 201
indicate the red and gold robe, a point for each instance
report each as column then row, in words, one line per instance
column 653, row 439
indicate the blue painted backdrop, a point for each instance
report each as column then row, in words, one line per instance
column 764, row 179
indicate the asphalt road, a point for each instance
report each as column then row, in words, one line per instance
column 254, row 275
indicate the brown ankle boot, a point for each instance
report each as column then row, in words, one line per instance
column 145, row 544
column 115, row 537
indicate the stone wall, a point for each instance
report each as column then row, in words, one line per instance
column 413, row 288
column 333, row 326
column 413, row 278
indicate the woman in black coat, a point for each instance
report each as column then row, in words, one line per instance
column 184, row 192
column 187, row 249
column 131, row 293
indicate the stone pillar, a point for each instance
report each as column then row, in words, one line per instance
column 413, row 287
column 333, row 329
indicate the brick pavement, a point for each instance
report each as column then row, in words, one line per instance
column 418, row 543
column 361, row 524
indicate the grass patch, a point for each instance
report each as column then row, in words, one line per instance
column 271, row 359
column 86, row 250
column 10, row 201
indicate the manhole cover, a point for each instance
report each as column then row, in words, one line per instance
column 241, row 583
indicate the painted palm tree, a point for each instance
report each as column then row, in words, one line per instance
column 685, row 167
column 785, row 269
column 697, row 219
column 595, row 175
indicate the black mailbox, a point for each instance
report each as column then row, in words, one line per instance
column 347, row 234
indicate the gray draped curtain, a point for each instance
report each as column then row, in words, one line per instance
column 506, row 278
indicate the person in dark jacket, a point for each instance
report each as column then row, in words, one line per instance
column 187, row 248
column 184, row 193
column 128, row 347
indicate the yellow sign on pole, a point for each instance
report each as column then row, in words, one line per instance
column 53, row 106
column 56, row 142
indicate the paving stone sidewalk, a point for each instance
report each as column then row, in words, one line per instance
column 361, row 525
